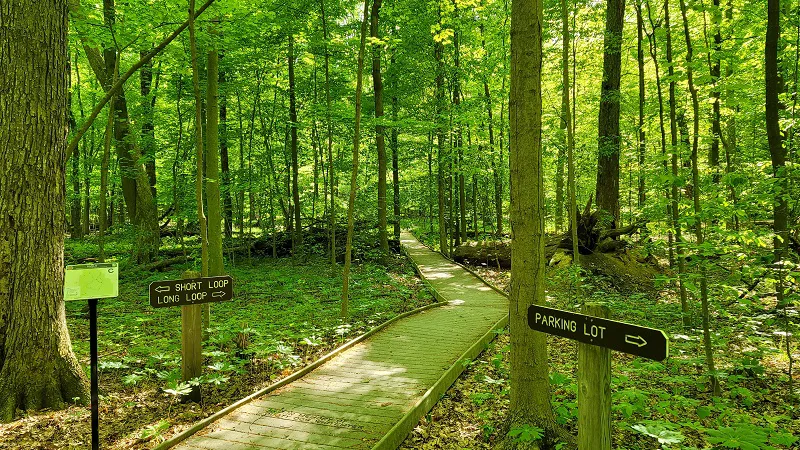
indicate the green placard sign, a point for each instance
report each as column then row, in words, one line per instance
column 91, row 281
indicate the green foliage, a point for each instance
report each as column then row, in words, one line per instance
column 666, row 433
column 525, row 433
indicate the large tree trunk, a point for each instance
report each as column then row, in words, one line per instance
column 37, row 366
column 608, row 143
column 530, row 383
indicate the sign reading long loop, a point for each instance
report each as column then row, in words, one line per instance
column 191, row 292
column 620, row 336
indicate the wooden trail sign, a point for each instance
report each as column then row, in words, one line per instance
column 620, row 336
column 191, row 292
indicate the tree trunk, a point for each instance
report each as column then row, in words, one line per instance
column 698, row 223
column 777, row 151
column 571, row 187
column 530, row 383
column 607, row 192
column 351, row 204
column 395, row 161
column 297, row 242
column 227, row 201
column 215, row 261
column 138, row 199
column 673, row 127
column 377, row 85
column 438, row 50
column 642, row 142
column 198, row 133
column 76, row 229
column 329, row 122
column 651, row 37
column 37, row 366
column 148, row 128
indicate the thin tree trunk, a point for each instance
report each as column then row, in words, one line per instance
column 104, row 180
column 198, row 133
column 698, row 219
column 673, row 126
column 351, row 204
column 654, row 55
column 642, row 142
column 380, row 143
column 570, row 144
column 227, row 201
column 440, row 175
column 148, row 128
column 215, row 262
column 395, row 158
column 76, row 229
column 297, row 237
column 331, row 169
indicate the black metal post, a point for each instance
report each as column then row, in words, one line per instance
column 93, row 351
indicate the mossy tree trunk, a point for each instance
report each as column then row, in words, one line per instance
column 37, row 366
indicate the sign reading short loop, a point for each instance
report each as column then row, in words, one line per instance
column 191, row 292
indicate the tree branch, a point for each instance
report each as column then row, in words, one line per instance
column 73, row 143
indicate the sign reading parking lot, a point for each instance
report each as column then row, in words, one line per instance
column 190, row 292
column 620, row 336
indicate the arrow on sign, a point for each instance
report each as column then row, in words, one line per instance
column 218, row 294
column 635, row 340
column 161, row 289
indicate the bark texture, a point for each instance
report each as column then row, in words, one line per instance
column 530, row 383
column 37, row 366
column 608, row 142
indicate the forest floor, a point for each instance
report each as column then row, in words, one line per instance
column 654, row 404
column 284, row 316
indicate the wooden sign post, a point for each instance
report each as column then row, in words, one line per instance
column 597, row 336
column 594, row 390
column 92, row 282
column 189, row 293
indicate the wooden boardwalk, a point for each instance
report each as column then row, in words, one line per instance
column 374, row 393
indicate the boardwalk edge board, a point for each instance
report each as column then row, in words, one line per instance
column 398, row 433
